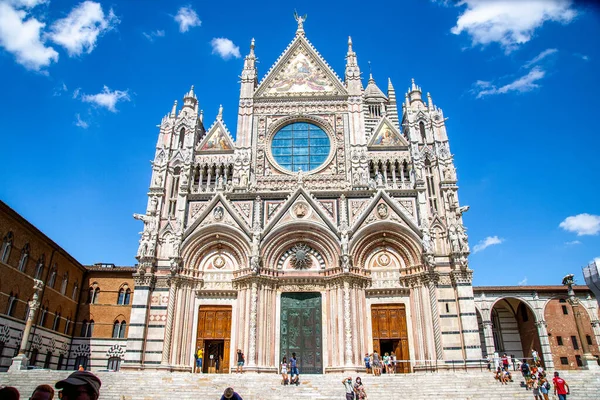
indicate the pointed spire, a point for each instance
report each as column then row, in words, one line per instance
column 190, row 100
column 220, row 115
column 350, row 45
column 201, row 115
column 429, row 101
column 252, row 47
column 174, row 109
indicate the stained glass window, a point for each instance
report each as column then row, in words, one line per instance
column 300, row 146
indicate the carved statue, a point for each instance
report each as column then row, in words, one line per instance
column 153, row 205
column 158, row 180
column 454, row 240
column 463, row 239
column 149, row 223
column 378, row 178
column 345, row 262
column 300, row 177
column 427, row 243
column 462, row 210
column 255, row 264
column 449, row 173
column 300, row 19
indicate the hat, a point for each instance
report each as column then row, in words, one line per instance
column 80, row 378
column 228, row 393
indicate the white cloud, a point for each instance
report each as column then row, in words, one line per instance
column 225, row 48
column 107, row 98
column 187, row 18
column 80, row 123
column 79, row 31
column 487, row 242
column 76, row 93
column 153, row 35
column 540, row 57
column 573, row 243
column 21, row 36
column 522, row 282
column 582, row 56
column 508, row 22
column 523, row 84
column 59, row 90
column 582, row 224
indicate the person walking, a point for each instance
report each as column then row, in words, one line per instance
column 367, row 363
column 294, row 374
column 359, row 389
column 80, row 385
column 393, row 362
column 376, row 364
column 284, row 371
column 505, row 361
column 545, row 388
column 240, row 362
column 561, row 387
column 199, row 357
column 535, row 386
column 347, row 382
column 230, row 394
column 525, row 372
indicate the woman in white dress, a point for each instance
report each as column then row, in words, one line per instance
column 284, row 371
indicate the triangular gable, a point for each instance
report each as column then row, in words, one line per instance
column 299, row 207
column 300, row 71
column 217, row 140
column 386, row 137
column 219, row 210
column 382, row 208
column 245, row 210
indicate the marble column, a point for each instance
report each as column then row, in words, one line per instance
column 252, row 325
column 20, row 361
column 488, row 335
column 347, row 325
column 542, row 328
column 166, row 353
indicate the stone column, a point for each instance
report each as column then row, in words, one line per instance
column 488, row 336
column 347, row 325
column 20, row 361
column 542, row 328
column 435, row 316
column 589, row 361
column 252, row 324
column 166, row 353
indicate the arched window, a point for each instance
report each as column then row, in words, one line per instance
column 81, row 360
column 24, row 258
column 12, row 304
column 75, row 290
column 93, row 295
column 65, row 282
column 174, row 191
column 90, row 328
column 52, row 279
column 96, row 294
column 39, row 269
column 127, row 296
column 181, row 138
column 430, row 186
column 121, row 298
column 43, row 315
column 67, row 326
column 116, row 329
column 27, row 310
column 56, row 322
column 122, row 331
column 84, row 326
column 6, row 247
column 422, row 131
column 114, row 363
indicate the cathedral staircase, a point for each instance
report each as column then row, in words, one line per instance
column 418, row 386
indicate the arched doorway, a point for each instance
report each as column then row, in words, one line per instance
column 514, row 330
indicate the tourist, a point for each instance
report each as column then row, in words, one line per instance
column 80, row 385
column 393, row 362
column 367, row 363
column 561, row 388
column 284, row 372
column 501, row 377
column 376, row 364
column 229, row 394
column 199, row 357
column 240, row 362
column 508, row 375
column 80, row 368
column 535, row 386
column 504, row 361
column 359, row 389
column 42, row 392
column 9, row 393
column 386, row 362
column 349, row 388
column 295, row 376
column 525, row 372
column 535, row 356
column 545, row 388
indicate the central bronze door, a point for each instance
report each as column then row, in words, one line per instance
column 300, row 331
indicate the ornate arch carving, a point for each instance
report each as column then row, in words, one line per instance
column 373, row 238
column 204, row 242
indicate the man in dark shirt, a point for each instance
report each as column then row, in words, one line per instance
column 229, row 394
column 295, row 376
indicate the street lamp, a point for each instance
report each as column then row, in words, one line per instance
column 588, row 360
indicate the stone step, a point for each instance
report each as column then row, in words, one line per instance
column 152, row 385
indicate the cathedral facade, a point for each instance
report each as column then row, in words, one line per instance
column 330, row 228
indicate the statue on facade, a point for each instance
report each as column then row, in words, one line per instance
column 463, row 238
column 255, row 264
column 300, row 20
column 427, row 243
column 454, row 240
column 378, row 179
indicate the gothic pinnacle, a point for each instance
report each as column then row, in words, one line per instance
column 349, row 44
column 220, row 115
column 174, row 109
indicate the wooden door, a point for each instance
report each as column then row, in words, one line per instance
column 389, row 323
column 214, row 323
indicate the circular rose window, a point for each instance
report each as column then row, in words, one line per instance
column 300, row 146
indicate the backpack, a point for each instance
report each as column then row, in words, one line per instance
column 547, row 385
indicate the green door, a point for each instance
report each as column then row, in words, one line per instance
column 301, row 331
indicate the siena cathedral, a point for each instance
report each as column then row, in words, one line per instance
column 330, row 228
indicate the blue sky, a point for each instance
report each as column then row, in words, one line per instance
column 84, row 85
